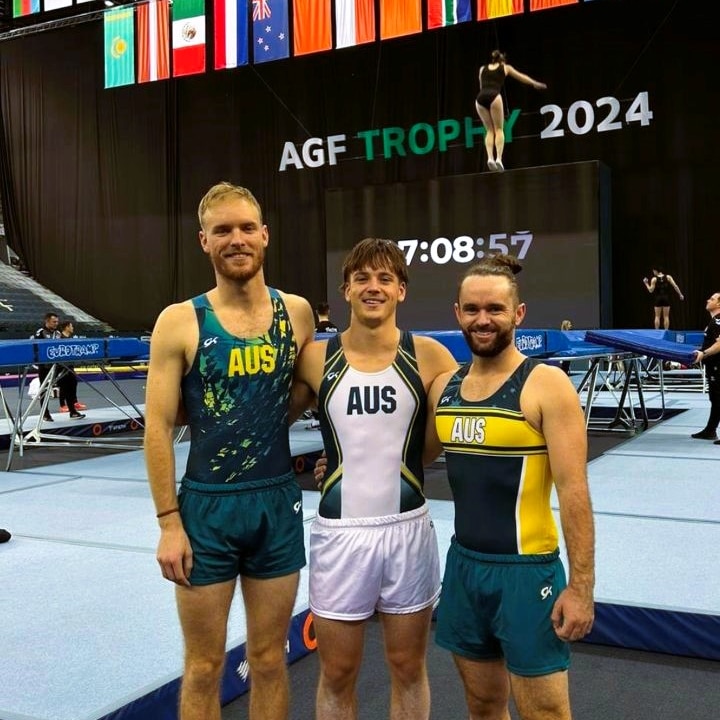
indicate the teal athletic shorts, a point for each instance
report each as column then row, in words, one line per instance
column 499, row 606
column 251, row 528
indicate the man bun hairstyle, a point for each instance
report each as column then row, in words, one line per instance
column 507, row 266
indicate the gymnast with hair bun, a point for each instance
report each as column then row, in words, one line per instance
column 490, row 107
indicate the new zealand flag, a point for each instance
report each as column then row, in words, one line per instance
column 271, row 36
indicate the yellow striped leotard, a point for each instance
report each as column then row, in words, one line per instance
column 498, row 469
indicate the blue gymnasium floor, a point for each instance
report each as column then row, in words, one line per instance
column 89, row 628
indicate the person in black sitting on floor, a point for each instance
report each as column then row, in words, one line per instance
column 67, row 380
column 709, row 356
column 48, row 331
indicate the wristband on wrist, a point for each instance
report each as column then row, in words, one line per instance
column 164, row 513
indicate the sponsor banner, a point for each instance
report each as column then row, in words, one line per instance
column 60, row 351
column 531, row 342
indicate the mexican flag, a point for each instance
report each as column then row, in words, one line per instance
column 188, row 37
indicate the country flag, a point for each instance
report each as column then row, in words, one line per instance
column 231, row 33
column 188, row 37
column 119, row 29
column 271, row 33
column 311, row 26
column 399, row 17
column 354, row 22
column 448, row 12
column 153, row 40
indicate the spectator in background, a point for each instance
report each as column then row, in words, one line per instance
column 324, row 324
column 564, row 326
column 659, row 286
column 67, row 380
column 48, row 331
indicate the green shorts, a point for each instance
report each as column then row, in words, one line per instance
column 499, row 606
column 253, row 529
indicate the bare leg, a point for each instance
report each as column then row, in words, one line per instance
column 203, row 612
column 658, row 315
column 406, row 638
column 542, row 698
column 489, row 134
column 497, row 113
column 268, row 604
column 340, row 647
column 487, row 688
column 666, row 317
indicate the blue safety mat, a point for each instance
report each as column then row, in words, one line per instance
column 644, row 342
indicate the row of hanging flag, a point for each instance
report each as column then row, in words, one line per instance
column 171, row 34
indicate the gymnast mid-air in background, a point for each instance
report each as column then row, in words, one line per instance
column 490, row 107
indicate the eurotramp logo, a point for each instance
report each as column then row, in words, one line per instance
column 388, row 142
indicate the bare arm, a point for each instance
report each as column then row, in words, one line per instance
column 168, row 362
column 649, row 284
column 307, row 378
column 675, row 287
column 434, row 361
column 433, row 358
column 303, row 322
column 523, row 78
column 432, row 447
column 563, row 426
column 302, row 319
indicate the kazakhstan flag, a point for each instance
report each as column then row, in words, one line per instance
column 119, row 47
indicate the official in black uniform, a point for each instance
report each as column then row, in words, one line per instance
column 709, row 356
column 49, row 331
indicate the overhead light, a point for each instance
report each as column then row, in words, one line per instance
column 109, row 3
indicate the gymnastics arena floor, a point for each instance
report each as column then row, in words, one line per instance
column 89, row 629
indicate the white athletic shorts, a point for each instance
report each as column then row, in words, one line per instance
column 360, row 565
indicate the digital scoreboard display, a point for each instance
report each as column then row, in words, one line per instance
column 554, row 219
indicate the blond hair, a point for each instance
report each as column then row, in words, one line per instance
column 222, row 191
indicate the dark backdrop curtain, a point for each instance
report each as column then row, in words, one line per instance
column 100, row 187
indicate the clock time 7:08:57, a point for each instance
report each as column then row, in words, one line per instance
column 464, row 248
